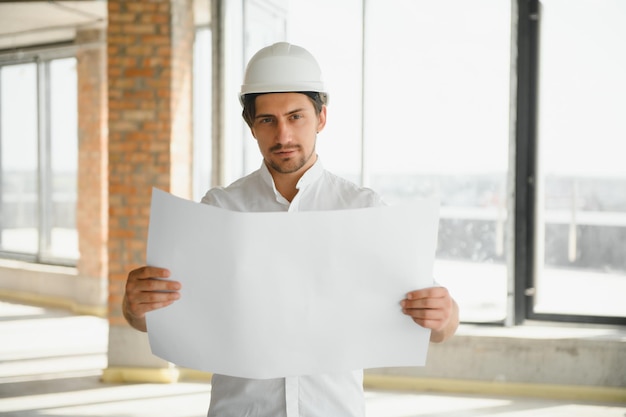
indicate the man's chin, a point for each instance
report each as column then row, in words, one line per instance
column 287, row 167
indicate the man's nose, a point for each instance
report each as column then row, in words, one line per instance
column 283, row 132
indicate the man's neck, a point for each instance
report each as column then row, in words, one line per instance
column 286, row 183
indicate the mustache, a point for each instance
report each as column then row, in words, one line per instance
column 281, row 147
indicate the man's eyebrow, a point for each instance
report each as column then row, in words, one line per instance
column 261, row 116
column 294, row 111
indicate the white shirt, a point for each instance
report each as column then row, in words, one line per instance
column 334, row 395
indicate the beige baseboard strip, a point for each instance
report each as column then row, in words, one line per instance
column 458, row 386
column 187, row 374
column 140, row 375
column 398, row 383
column 153, row 375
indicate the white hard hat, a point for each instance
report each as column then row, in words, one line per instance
column 281, row 68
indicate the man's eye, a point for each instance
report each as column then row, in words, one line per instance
column 265, row 120
column 296, row 116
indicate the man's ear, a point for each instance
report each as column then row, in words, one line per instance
column 321, row 119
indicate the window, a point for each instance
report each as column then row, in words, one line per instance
column 19, row 150
column 581, row 198
column 60, row 216
column 436, row 123
column 39, row 145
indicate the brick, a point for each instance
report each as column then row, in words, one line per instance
column 138, row 72
column 120, row 83
column 122, row 125
column 141, row 6
column 122, row 61
column 139, row 29
column 157, row 39
column 141, row 50
column 153, row 61
column 122, row 105
column 137, row 115
column 159, row 83
column 137, row 94
column 123, row 17
column 112, row 7
column 117, row 39
column 164, row 51
column 156, row 18
column 163, row 30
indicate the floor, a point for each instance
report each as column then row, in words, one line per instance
column 51, row 361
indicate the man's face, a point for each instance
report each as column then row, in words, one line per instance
column 285, row 127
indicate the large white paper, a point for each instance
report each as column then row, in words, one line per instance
column 279, row 294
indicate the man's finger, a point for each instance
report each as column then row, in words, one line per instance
column 147, row 272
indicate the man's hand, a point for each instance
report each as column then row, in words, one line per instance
column 147, row 289
column 433, row 308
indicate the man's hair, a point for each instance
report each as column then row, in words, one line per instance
column 249, row 104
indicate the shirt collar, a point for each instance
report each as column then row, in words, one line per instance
column 266, row 175
column 309, row 177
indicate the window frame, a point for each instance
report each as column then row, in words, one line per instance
column 526, row 171
column 42, row 58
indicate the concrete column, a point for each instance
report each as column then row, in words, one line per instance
column 92, row 207
column 149, row 52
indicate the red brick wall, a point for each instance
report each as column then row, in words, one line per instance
column 149, row 52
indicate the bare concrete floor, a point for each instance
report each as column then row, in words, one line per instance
column 51, row 362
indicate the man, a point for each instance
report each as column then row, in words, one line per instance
column 285, row 107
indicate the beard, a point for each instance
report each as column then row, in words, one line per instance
column 289, row 165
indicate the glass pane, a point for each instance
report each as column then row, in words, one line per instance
column 202, row 152
column 63, row 160
column 581, row 230
column 18, row 150
column 437, row 123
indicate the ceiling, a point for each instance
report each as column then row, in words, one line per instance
column 28, row 23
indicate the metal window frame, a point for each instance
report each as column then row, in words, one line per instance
column 525, row 157
column 528, row 44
